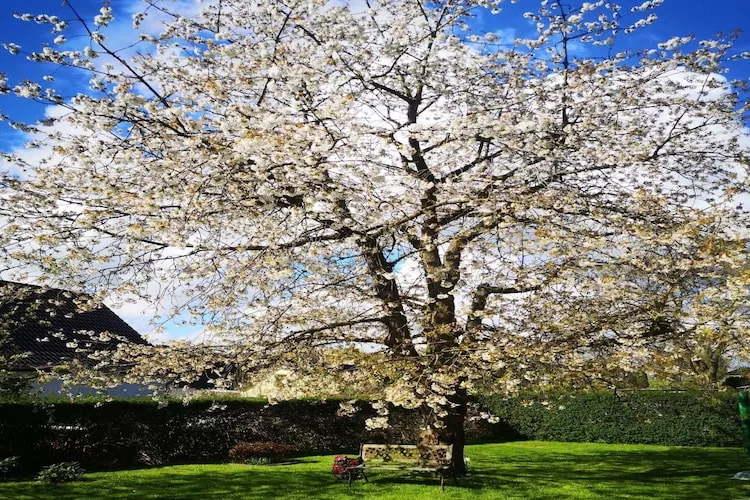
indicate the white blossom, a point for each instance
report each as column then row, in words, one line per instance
column 372, row 204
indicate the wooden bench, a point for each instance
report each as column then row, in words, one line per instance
column 408, row 457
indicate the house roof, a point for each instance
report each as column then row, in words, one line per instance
column 49, row 325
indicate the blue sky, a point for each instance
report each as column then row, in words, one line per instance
column 676, row 17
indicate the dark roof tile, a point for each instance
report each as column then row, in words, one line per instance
column 48, row 324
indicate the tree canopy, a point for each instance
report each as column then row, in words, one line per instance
column 377, row 177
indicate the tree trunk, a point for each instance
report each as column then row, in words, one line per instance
column 453, row 432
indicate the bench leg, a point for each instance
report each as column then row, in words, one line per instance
column 349, row 474
column 364, row 476
column 442, row 482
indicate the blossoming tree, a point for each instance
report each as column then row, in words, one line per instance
column 375, row 177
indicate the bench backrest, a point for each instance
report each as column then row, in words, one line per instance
column 407, row 454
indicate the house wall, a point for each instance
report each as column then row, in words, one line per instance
column 55, row 387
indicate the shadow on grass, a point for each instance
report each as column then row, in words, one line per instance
column 254, row 482
column 676, row 473
column 289, row 461
column 506, row 471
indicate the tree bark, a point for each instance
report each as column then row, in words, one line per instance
column 453, row 430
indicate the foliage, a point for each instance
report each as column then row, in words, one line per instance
column 12, row 385
column 700, row 320
column 7, row 467
column 674, row 418
column 528, row 470
column 256, row 453
column 64, row 472
column 300, row 175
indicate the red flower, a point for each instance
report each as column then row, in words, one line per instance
column 341, row 463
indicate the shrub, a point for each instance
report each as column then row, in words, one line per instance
column 672, row 418
column 340, row 465
column 258, row 453
column 64, row 472
column 7, row 467
column 103, row 435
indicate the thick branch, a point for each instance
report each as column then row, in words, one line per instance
column 386, row 289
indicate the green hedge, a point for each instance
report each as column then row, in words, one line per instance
column 119, row 434
column 123, row 434
column 640, row 417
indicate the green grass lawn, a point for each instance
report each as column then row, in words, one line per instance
column 521, row 470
